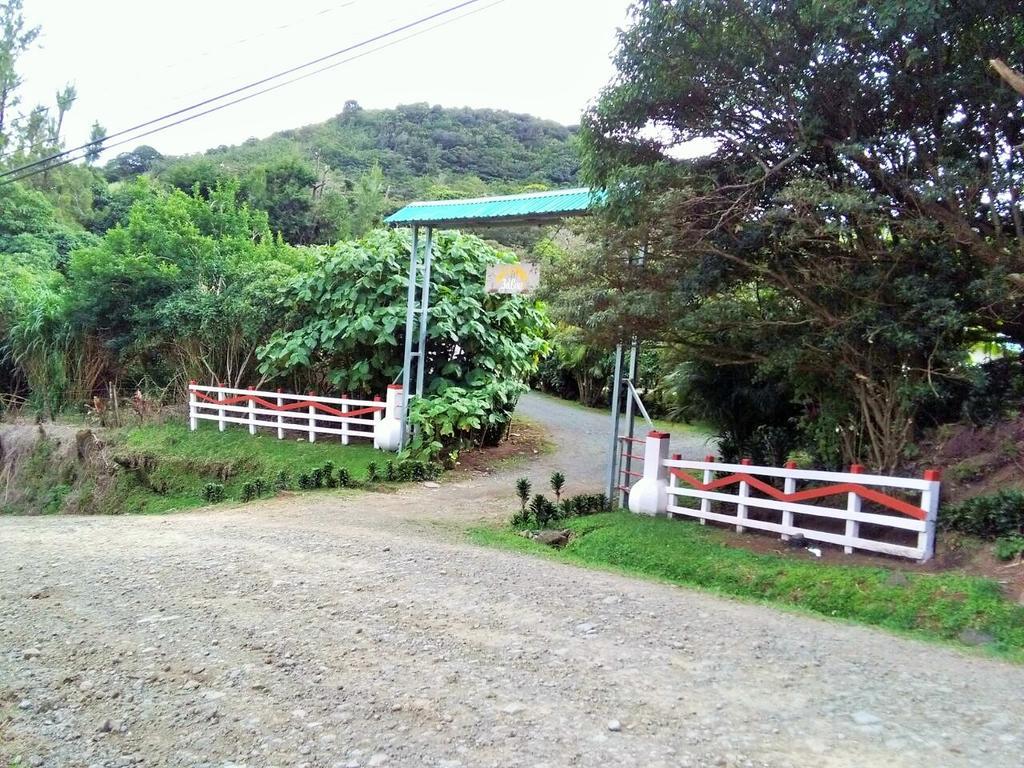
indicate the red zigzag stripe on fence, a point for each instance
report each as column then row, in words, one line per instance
column 884, row 499
column 305, row 404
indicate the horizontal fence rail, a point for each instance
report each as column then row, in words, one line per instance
column 742, row 489
column 854, row 510
column 284, row 412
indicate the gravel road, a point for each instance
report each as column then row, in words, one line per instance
column 361, row 630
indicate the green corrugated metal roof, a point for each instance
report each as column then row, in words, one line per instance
column 506, row 209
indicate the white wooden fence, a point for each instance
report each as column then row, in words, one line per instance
column 309, row 414
column 748, row 496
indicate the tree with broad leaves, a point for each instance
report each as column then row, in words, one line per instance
column 858, row 222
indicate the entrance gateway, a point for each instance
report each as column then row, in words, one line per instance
column 505, row 210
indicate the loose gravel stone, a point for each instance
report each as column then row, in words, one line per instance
column 373, row 617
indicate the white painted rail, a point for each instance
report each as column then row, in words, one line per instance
column 875, row 513
column 285, row 412
column 788, row 514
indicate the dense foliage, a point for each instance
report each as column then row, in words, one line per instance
column 161, row 269
column 334, row 180
column 989, row 517
column 857, row 227
column 185, row 287
column 345, row 329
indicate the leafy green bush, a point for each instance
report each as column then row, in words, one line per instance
column 999, row 514
column 460, row 416
column 543, row 510
column 213, row 493
column 305, row 482
column 584, row 504
column 349, row 310
column 372, row 473
column 344, row 477
column 248, row 491
column 1009, row 547
column 261, row 486
column 283, row 480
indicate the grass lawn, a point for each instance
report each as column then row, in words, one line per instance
column 181, row 463
column 932, row 606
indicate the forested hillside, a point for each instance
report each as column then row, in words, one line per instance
column 328, row 181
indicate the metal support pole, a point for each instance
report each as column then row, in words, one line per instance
column 613, row 447
column 627, row 462
column 424, row 314
column 410, row 315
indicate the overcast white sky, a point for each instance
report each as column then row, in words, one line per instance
column 132, row 60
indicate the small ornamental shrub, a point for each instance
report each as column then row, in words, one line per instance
column 330, row 481
column 389, row 472
column 989, row 517
column 305, row 482
column 317, row 477
column 213, row 492
column 248, row 491
column 542, row 510
column 557, row 483
column 523, row 489
column 344, row 477
column 261, row 486
column 283, row 481
column 583, row 504
column 1010, row 547
column 372, row 473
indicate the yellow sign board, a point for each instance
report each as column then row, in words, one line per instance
column 512, row 278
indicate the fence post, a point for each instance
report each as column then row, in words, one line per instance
column 672, row 481
column 388, row 424
column 344, row 424
column 377, row 416
column 705, row 504
column 280, row 416
column 251, row 405
column 853, row 505
column 220, row 411
column 650, row 494
column 741, row 508
column 312, row 420
column 930, row 504
column 788, row 486
column 193, row 422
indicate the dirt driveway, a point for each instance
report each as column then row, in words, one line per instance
column 361, row 630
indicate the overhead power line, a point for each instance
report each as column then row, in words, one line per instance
column 26, row 170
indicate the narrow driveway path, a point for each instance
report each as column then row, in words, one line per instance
column 361, row 630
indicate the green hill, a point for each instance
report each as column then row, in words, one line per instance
column 334, row 179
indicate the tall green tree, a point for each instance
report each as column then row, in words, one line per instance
column 96, row 136
column 368, row 200
column 16, row 37
column 184, row 288
column 858, row 222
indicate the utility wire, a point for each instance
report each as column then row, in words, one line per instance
column 103, row 142
column 136, row 137
column 252, row 38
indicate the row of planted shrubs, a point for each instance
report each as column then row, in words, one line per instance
column 327, row 477
column 998, row 516
column 538, row 511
